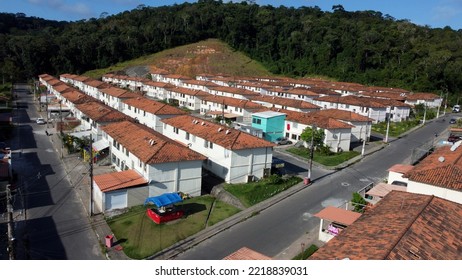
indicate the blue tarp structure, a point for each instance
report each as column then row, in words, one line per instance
column 164, row 200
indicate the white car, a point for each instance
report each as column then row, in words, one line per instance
column 41, row 121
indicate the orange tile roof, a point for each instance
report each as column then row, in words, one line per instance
column 312, row 118
column 342, row 115
column 403, row 226
column 339, row 215
column 442, row 168
column 382, row 189
column 82, row 78
column 246, row 254
column 289, row 102
column 362, row 101
column 78, row 97
column 215, row 133
column 153, row 107
column 401, row 168
column 149, row 146
column 119, row 92
column 233, row 90
column 119, row 180
column 188, row 91
column 422, row 96
column 100, row 112
column 230, row 101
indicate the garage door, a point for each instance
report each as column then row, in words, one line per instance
column 116, row 200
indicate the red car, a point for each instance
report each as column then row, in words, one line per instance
column 454, row 138
column 164, row 214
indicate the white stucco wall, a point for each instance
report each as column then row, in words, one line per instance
column 420, row 188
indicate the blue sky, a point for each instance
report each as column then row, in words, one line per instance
column 435, row 13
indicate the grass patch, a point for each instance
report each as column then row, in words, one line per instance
column 141, row 237
column 221, row 211
column 396, row 128
column 306, row 253
column 252, row 193
column 326, row 160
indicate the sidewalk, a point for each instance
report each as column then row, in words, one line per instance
column 78, row 174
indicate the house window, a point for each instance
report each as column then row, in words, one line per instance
column 211, row 145
column 175, row 130
column 126, row 152
column 129, row 107
column 206, row 143
column 187, row 135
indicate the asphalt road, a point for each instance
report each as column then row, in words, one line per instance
column 52, row 223
column 276, row 228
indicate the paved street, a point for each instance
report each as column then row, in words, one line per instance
column 281, row 230
column 51, row 220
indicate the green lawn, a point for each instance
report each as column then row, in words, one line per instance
column 396, row 128
column 141, row 237
column 252, row 193
column 327, row 160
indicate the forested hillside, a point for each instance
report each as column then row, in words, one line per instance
column 366, row 47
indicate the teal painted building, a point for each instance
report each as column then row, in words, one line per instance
column 271, row 123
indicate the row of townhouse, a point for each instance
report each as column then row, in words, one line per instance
column 377, row 109
column 429, row 207
column 152, row 115
column 156, row 163
column 232, row 105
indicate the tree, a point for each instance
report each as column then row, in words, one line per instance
column 318, row 140
column 358, row 202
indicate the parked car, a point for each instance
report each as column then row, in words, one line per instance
column 40, row 121
column 452, row 121
column 283, row 141
column 454, row 138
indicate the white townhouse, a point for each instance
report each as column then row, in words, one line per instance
column 285, row 103
column 252, row 86
column 233, row 155
column 44, row 78
column 59, row 89
column 114, row 96
column 361, row 125
column 150, row 112
column 232, row 92
column 161, row 166
column 68, row 78
column 187, row 98
column 337, row 133
column 75, row 97
column 230, row 108
column 93, row 88
column 94, row 115
column 174, row 79
column 430, row 100
column 377, row 109
column 79, row 82
column 197, row 84
column 157, row 90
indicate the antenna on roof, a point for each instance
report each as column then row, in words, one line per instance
column 203, row 123
column 220, row 129
column 227, row 131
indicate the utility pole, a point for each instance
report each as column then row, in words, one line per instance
column 11, row 239
column 365, row 136
column 388, row 126
column 310, row 166
column 91, row 174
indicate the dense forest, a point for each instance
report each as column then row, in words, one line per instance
column 364, row 46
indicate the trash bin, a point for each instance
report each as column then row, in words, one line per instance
column 109, row 240
column 306, row 181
